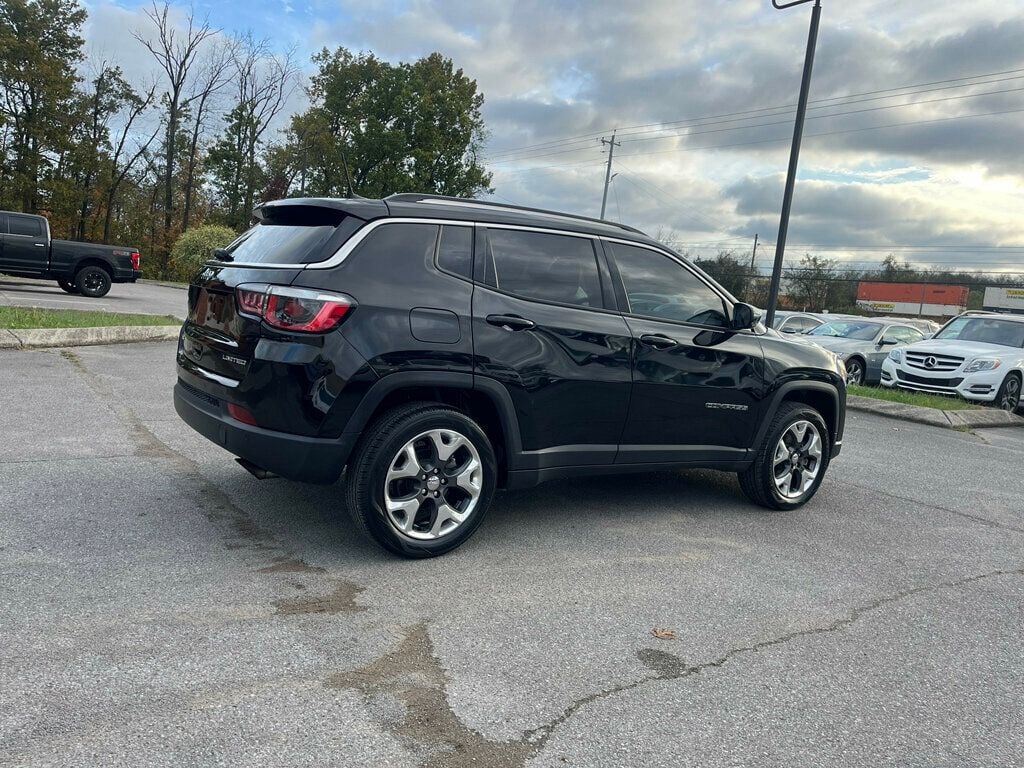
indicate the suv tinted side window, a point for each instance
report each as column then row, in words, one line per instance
column 455, row 251
column 536, row 265
column 24, row 225
column 660, row 287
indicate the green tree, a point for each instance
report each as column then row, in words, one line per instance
column 731, row 273
column 194, row 247
column 810, row 282
column 40, row 46
column 375, row 128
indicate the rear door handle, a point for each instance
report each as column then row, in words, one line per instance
column 511, row 322
column 658, row 341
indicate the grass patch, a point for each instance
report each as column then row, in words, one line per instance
column 19, row 318
column 942, row 402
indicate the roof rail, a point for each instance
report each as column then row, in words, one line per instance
column 416, row 197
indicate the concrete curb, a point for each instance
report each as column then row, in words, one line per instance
column 38, row 338
column 968, row 419
column 165, row 284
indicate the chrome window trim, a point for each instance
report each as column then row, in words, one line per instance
column 360, row 234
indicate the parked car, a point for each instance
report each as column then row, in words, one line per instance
column 977, row 355
column 438, row 349
column 795, row 322
column 863, row 344
column 27, row 250
column 927, row 327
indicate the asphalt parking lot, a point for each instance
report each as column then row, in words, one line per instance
column 134, row 298
column 161, row 607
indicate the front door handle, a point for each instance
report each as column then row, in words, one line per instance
column 511, row 322
column 658, row 341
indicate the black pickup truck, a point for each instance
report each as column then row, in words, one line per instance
column 26, row 250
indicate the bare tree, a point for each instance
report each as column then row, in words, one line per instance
column 264, row 84
column 121, row 162
column 176, row 50
column 214, row 75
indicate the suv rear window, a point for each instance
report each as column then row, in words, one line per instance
column 291, row 235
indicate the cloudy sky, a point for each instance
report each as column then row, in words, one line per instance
column 914, row 143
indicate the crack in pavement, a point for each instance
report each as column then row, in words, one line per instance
column 927, row 505
column 541, row 735
column 414, row 676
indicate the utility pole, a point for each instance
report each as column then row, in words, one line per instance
column 612, row 144
column 794, row 153
column 753, row 256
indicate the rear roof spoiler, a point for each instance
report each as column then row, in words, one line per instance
column 361, row 208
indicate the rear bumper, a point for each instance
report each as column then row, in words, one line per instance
column 308, row 459
column 125, row 276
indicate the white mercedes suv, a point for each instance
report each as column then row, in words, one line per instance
column 977, row 355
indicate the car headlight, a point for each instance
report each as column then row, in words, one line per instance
column 896, row 355
column 982, row 364
column 840, row 365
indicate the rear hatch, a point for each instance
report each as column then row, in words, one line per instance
column 220, row 338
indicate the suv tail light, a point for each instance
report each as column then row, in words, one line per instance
column 136, row 258
column 294, row 309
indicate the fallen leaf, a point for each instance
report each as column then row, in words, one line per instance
column 664, row 634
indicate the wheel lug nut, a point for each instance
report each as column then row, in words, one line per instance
column 437, row 493
column 444, row 481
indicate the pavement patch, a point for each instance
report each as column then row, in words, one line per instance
column 414, row 676
column 341, row 600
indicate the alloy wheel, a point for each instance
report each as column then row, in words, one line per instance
column 93, row 281
column 433, row 484
column 854, row 372
column 1011, row 395
column 797, row 460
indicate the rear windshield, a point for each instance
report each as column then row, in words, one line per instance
column 290, row 236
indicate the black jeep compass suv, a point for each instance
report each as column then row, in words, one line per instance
column 437, row 349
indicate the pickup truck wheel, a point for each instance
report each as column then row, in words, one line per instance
column 791, row 461
column 93, row 282
column 421, row 480
column 67, row 286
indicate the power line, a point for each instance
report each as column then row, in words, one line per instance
column 831, row 133
column 773, row 123
column 664, row 124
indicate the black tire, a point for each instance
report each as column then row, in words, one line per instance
column 379, row 451
column 93, row 282
column 1008, row 398
column 856, row 371
column 67, row 286
column 758, row 481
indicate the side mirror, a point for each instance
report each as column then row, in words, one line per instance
column 790, row 330
column 744, row 317
column 888, row 343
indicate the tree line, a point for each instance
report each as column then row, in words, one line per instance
column 824, row 284
column 206, row 134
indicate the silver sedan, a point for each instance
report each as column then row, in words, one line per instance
column 863, row 344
